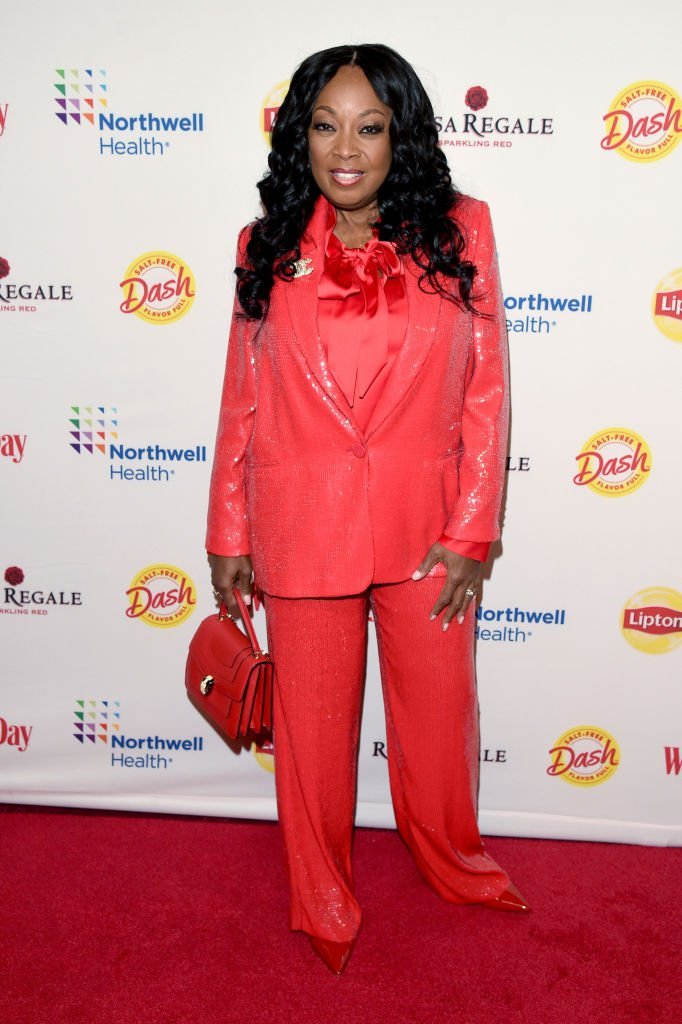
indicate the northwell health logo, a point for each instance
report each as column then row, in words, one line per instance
column 537, row 313
column 83, row 100
column 511, row 624
column 94, row 431
column 98, row 724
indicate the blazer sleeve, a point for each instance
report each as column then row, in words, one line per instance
column 227, row 532
column 485, row 413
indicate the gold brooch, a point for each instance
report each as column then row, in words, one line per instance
column 303, row 267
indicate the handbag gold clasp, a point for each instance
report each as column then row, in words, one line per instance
column 206, row 685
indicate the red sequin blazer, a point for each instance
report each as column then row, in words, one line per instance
column 322, row 509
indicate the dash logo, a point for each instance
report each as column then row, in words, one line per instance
column 584, row 756
column 158, row 287
column 644, row 122
column 270, row 108
column 613, row 462
column 161, row 595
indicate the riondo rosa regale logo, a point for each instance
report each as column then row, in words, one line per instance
column 651, row 620
column 496, row 127
column 613, row 462
column 644, row 122
column 161, row 595
column 584, row 756
column 83, row 99
column 666, row 305
column 22, row 296
column 22, row 595
column 270, row 106
column 94, row 430
column 158, row 287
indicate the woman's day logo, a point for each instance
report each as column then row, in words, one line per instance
column 584, row 756
column 271, row 104
column 613, row 462
column 644, row 122
column 158, row 287
column 161, row 595
column 666, row 305
column 652, row 620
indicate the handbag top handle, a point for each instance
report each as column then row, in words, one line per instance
column 246, row 618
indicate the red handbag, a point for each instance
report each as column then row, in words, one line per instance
column 229, row 679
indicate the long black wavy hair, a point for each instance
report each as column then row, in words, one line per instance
column 415, row 200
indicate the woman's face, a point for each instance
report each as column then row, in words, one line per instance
column 348, row 140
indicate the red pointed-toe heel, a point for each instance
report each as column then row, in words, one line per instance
column 334, row 954
column 510, row 899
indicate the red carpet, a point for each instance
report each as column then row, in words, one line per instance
column 146, row 919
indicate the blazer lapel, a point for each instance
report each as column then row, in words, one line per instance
column 423, row 311
column 302, row 300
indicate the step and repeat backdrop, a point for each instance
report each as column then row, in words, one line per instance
column 131, row 139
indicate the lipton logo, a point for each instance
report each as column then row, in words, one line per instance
column 613, row 462
column 158, row 287
column 666, row 305
column 161, row 595
column 651, row 621
column 584, row 756
column 644, row 122
column 271, row 104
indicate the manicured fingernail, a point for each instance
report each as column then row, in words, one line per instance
column 460, row 619
column 431, row 617
column 416, row 575
column 445, row 626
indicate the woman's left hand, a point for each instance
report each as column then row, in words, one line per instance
column 461, row 586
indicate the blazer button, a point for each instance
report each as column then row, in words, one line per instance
column 359, row 450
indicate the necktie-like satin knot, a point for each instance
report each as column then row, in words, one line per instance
column 357, row 348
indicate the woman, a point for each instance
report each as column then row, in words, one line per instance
column 359, row 464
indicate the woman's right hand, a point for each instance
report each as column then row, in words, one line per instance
column 228, row 572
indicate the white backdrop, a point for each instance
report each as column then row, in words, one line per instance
column 109, row 412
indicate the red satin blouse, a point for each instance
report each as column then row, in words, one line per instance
column 362, row 318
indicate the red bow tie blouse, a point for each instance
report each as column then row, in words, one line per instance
column 362, row 317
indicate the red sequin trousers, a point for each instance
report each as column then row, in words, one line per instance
column 319, row 648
